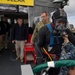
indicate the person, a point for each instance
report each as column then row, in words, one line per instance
column 19, row 37
column 2, row 32
column 45, row 20
column 6, row 30
column 71, row 71
column 68, row 52
column 43, row 40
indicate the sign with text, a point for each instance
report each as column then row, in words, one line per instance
column 18, row 2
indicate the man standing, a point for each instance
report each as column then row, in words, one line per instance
column 5, row 30
column 19, row 37
column 2, row 33
column 6, row 25
column 45, row 20
column 43, row 41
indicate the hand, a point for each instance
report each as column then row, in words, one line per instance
column 66, row 40
column 13, row 41
column 3, row 35
column 65, row 36
column 25, row 41
column 32, row 42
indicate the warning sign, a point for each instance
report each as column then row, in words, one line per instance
column 18, row 2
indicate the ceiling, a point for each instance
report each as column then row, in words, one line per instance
column 39, row 6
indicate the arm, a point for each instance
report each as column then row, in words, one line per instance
column 34, row 34
column 69, row 47
column 70, row 51
column 13, row 33
column 41, row 38
column 71, row 36
column 26, row 33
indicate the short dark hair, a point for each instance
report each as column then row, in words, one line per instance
column 70, row 68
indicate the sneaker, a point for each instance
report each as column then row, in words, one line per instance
column 17, row 58
column 21, row 60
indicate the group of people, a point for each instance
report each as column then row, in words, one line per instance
column 18, row 34
column 64, row 42
column 63, row 46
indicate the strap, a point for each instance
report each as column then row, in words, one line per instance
column 57, row 39
column 49, row 56
column 51, row 35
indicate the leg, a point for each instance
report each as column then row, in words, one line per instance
column 1, row 46
column 1, row 39
column 39, row 55
column 22, row 43
column 5, row 40
column 17, row 47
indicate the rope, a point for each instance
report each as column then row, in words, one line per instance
column 47, row 53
